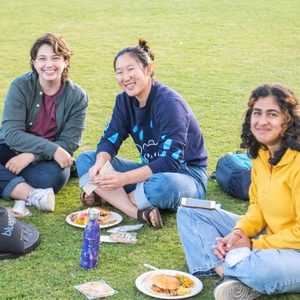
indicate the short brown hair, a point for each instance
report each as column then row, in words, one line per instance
column 60, row 47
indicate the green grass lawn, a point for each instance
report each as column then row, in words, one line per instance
column 213, row 52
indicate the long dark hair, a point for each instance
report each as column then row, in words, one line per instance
column 142, row 53
column 290, row 134
column 59, row 46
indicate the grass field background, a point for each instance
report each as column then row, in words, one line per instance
column 213, row 52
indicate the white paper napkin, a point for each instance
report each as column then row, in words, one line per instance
column 125, row 228
column 106, row 239
column 90, row 186
column 235, row 256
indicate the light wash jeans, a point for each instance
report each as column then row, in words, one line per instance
column 268, row 271
column 162, row 190
column 39, row 175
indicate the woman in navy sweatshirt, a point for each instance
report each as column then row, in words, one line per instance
column 166, row 134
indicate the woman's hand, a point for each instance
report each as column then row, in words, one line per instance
column 19, row 162
column 94, row 172
column 63, row 158
column 236, row 239
column 111, row 181
column 101, row 159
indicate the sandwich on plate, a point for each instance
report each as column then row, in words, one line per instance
column 168, row 284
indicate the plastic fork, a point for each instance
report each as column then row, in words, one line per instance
column 154, row 268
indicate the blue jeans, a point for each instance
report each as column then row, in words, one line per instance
column 40, row 175
column 268, row 271
column 162, row 190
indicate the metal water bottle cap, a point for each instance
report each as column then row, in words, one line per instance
column 94, row 213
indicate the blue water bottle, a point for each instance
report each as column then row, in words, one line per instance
column 91, row 241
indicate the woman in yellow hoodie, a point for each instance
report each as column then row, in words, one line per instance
column 259, row 252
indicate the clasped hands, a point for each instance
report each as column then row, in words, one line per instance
column 236, row 239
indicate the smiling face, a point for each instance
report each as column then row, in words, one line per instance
column 267, row 119
column 133, row 78
column 49, row 66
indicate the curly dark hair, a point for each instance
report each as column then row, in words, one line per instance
column 289, row 105
column 60, row 47
column 142, row 53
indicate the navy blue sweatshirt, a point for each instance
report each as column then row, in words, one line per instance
column 165, row 131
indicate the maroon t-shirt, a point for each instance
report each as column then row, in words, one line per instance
column 45, row 124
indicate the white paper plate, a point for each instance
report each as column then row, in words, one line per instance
column 144, row 283
column 114, row 216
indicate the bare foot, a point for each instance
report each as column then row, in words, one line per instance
column 151, row 218
column 89, row 199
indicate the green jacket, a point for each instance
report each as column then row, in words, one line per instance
column 21, row 107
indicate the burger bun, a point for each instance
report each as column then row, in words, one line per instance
column 164, row 281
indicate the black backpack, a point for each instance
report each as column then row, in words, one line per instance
column 233, row 174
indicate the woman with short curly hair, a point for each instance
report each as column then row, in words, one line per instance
column 258, row 252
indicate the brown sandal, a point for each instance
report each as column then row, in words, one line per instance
column 145, row 213
column 97, row 201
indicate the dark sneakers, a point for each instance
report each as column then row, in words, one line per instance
column 73, row 169
column 230, row 288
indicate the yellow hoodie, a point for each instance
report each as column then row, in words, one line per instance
column 274, row 202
